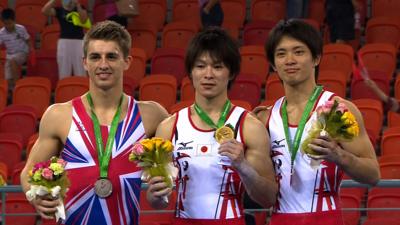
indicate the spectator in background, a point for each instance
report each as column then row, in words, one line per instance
column 340, row 19
column 211, row 13
column 389, row 103
column 112, row 13
column 69, row 46
column 297, row 9
column 16, row 40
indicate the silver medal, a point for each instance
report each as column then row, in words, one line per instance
column 103, row 187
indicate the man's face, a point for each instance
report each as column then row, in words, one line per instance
column 105, row 63
column 210, row 78
column 294, row 62
column 9, row 24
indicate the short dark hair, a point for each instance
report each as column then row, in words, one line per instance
column 7, row 14
column 299, row 30
column 109, row 31
column 221, row 47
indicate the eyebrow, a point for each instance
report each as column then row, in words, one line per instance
column 294, row 48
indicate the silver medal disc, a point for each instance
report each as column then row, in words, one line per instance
column 103, row 187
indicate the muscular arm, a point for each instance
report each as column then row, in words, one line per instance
column 152, row 114
column 357, row 157
column 256, row 171
column 361, row 163
column 50, row 141
column 157, row 187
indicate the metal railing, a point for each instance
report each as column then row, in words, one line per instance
column 394, row 183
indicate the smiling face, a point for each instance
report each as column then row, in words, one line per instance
column 294, row 62
column 210, row 78
column 105, row 63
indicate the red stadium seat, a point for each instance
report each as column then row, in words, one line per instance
column 137, row 69
column 178, row 34
column 187, row 90
column 256, row 32
column 234, row 11
column 161, row 88
column 272, row 10
column 33, row 91
column 372, row 113
column 70, row 87
column 11, row 146
column 254, row 61
column 390, row 143
column 247, row 87
column 169, row 61
column 273, row 87
column 337, row 57
column 46, row 66
column 3, row 93
column 383, row 198
column 19, row 119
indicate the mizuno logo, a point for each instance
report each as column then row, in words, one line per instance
column 184, row 146
column 277, row 144
column 184, row 143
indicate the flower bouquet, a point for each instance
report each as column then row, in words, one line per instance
column 154, row 156
column 49, row 178
column 333, row 119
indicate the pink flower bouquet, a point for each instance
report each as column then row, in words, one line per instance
column 154, row 156
column 49, row 178
column 333, row 119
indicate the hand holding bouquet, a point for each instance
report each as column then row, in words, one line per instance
column 154, row 156
column 49, row 178
column 333, row 120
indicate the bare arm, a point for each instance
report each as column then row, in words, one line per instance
column 210, row 4
column 357, row 157
column 152, row 114
column 157, row 187
column 254, row 166
column 48, row 8
column 83, row 16
column 49, row 143
column 372, row 85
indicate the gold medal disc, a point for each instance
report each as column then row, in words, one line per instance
column 224, row 133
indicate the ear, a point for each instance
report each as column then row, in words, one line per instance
column 317, row 61
column 84, row 62
column 273, row 67
column 128, row 61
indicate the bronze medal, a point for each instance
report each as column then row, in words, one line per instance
column 224, row 133
column 103, row 187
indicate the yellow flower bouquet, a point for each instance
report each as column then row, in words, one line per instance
column 154, row 156
column 49, row 178
column 333, row 119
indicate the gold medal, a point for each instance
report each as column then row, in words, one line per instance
column 224, row 133
column 103, row 187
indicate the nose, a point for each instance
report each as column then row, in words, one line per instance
column 104, row 64
column 209, row 72
column 290, row 59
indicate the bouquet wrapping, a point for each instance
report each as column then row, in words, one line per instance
column 334, row 120
column 49, row 178
column 154, row 156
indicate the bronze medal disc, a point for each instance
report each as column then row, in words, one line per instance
column 224, row 133
column 103, row 187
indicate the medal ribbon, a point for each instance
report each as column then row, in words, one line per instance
column 104, row 156
column 294, row 145
column 221, row 121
